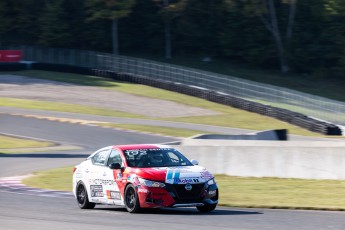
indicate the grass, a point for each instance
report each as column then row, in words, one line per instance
column 174, row 132
column 281, row 193
column 239, row 191
column 54, row 179
column 7, row 142
column 230, row 117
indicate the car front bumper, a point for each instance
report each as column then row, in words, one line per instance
column 177, row 196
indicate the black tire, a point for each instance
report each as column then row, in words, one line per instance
column 82, row 197
column 131, row 199
column 207, row 207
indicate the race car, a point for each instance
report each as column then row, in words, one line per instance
column 143, row 176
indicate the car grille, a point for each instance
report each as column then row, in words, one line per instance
column 184, row 196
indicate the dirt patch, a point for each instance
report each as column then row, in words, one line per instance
column 13, row 86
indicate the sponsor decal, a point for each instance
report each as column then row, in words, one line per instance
column 119, row 176
column 11, row 55
column 131, row 178
column 114, row 195
column 206, row 175
column 143, row 190
column 96, row 190
column 186, row 180
column 175, row 176
column 101, row 182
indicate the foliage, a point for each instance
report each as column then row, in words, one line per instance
column 109, row 9
column 234, row 30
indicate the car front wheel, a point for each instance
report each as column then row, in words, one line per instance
column 82, row 197
column 131, row 199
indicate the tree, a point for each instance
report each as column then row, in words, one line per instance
column 19, row 20
column 111, row 10
column 170, row 9
column 197, row 29
column 55, row 29
column 267, row 12
column 5, row 20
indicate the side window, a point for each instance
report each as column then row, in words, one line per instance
column 114, row 157
column 100, row 157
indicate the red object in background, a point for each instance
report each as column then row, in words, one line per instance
column 11, row 55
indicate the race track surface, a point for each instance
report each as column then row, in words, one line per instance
column 25, row 208
column 18, row 211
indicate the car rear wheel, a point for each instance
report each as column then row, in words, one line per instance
column 131, row 199
column 82, row 197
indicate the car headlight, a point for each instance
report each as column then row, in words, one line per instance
column 150, row 183
column 211, row 182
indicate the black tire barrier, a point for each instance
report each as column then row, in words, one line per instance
column 13, row 66
column 294, row 118
column 291, row 117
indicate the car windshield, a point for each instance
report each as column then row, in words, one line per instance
column 144, row 158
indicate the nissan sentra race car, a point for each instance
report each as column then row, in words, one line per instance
column 143, row 176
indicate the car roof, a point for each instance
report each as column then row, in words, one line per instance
column 140, row 146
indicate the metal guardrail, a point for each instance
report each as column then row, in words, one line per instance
column 310, row 105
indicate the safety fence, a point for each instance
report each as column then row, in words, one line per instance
column 252, row 96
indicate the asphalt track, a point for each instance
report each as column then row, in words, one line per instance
column 35, row 210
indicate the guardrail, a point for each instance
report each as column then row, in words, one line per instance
column 310, row 105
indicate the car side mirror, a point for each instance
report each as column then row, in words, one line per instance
column 115, row 166
column 194, row 162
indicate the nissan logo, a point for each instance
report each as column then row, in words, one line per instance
column 188, row 187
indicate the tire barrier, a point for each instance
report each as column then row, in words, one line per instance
column 12, row 66
column 294, row 118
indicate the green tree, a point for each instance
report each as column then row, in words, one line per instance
column 170, row 10
column 55, row 30
column 4, row 19
column 267, row 10
column 200, row 26
column 22, row 23
column 110, row 10
column 142, row 32
column 242, row 37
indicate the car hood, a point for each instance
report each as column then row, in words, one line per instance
column 175, row 175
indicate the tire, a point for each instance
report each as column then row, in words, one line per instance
column 82, row 197
column 207, row 207
column 131, row 199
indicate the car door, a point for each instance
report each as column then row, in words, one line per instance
column 113, row 178
column 96, row 179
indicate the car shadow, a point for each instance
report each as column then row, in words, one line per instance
column 185, row 211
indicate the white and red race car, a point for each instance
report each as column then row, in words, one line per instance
column 143, row 176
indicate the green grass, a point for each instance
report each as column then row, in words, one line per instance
column 54, row 179
column 7, row 142
column 174, row 132
column 281, row 193
column 239, row 191
column 63, row 107
column 230, row 117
